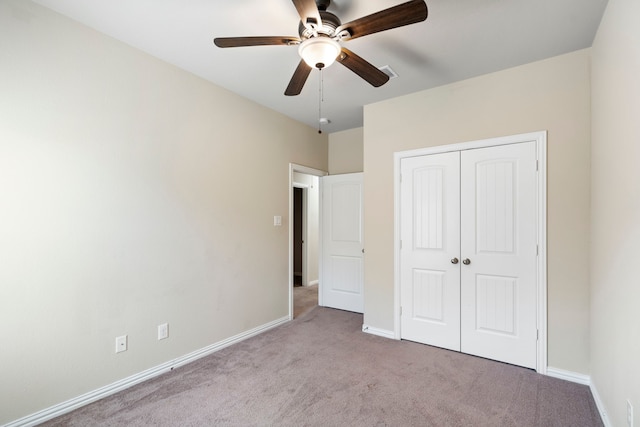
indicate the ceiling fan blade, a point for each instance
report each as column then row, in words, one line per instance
column 398, row 16
column 254, row 41
column 298, row 80
column 362, row 68
column 309, row 13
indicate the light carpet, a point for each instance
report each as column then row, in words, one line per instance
column 322, row 370
column 304, row 299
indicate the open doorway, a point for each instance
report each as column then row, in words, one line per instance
column 298, row 233
column 306, row 224
column 304, row 239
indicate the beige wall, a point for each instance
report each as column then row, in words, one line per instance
column 551, row 95
column 345, row 151
column 120, row 209
column 615, row 230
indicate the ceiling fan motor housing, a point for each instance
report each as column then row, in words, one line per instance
column 329, row 24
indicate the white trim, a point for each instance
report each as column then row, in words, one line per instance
column 379, row 332
column 397, row 157
column 541, row 144
column 574, row 377
column 472, row 145
column 95, row 395
column 600, row 406
column 313, row 282
column 293, row 168
column 541, row 271
column 583, row 379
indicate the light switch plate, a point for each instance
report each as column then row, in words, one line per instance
column 121, row 344
column 163, row 331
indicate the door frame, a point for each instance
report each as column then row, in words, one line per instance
column 293, row 168
column 540, row 138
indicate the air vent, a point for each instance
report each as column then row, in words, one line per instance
column 388, row 71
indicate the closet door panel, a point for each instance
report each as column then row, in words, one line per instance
column 498, row 249
column 430, row 235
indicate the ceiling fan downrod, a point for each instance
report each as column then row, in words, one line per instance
column 323, row 5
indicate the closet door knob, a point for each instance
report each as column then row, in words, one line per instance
column 454, row 261
column 466, row 261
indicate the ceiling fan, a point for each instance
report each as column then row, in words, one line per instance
column 320, row 33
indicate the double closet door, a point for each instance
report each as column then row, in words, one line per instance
column 468, row 256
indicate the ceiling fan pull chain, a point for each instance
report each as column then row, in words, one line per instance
column 321, row 86
column 320, row 99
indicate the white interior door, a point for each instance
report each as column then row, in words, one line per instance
column 499, row 235
column 478, row 207
column 430, row 236
column 342, row 283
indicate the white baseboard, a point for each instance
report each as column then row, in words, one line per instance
column 77, row 402
column 574, row 377
column 379, row 332
column 313, row 282
column 584, row 380
column 600, row 406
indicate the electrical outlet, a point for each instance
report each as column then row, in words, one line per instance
column 121, row 344
column 629, row 414
column 163, row 331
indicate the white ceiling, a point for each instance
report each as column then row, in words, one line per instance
column 460, row 39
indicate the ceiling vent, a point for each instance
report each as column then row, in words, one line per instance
column 388, row 71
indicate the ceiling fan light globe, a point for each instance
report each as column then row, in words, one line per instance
column 319, row 52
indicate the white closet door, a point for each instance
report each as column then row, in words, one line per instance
column 430, row 234
column 342, row 282
column 498, row 239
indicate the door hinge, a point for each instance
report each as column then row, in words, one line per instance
column 537, row 334
column 537, row 250
column 537, row 165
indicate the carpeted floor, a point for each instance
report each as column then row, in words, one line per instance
column 304, row 299
column 322, row 370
